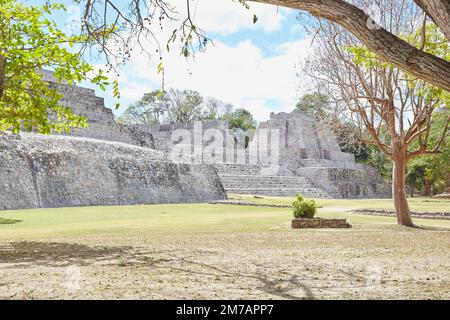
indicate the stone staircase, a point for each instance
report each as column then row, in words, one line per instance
column 247, row 179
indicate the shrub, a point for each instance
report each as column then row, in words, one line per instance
column 303, row 208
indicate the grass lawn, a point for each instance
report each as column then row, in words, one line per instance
column 222, row 251
column 416, row 204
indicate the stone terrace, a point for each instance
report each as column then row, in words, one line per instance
column 247, row 179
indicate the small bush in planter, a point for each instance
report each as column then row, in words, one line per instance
column 304, row 208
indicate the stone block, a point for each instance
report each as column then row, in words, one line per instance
column 302, row 223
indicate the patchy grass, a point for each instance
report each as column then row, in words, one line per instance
column 416, row 204
column 222, row 251
column 128, row 220
column 125, row 220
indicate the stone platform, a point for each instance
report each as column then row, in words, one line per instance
column 247, row 179
column 39, row 171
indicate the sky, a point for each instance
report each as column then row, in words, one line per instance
column 253, row 66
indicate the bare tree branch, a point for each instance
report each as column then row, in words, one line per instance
column 380, row 41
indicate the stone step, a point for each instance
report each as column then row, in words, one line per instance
column 239, row 170
column 263, row 175
column 263, row 178
column 270, row 185
column 249, row 179
column 236, row 181
column 266, row 185
column 249, row 169
column 288, row 192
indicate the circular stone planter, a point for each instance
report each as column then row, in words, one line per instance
column 301, row 223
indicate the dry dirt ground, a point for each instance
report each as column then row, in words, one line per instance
column 376, row 260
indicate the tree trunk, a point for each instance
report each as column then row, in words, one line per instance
column 399, row 192
column 411, row 190
column 426, row 192
column 2, row 75
column 439, row 12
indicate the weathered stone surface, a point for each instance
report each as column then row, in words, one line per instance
column 348, row 183
column 304, row 143
column 311, row 151
column 56, row 171
column 101, row 123
column 302, row 223
column 311, row 162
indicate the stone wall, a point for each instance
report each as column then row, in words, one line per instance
column 310, row 150
column 347, row 183
column 100, row 120
column 304, row 143
column 163, row 134
column 56, row 171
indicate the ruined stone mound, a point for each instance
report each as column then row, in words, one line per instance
column 309, row 162
column 40, row 171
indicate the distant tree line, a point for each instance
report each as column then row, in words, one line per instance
column 181, row 106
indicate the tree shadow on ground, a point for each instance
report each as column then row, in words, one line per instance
column 281, row 284
column 427, row 228
column 9, row 221
column 28, row 254
column 279, row 287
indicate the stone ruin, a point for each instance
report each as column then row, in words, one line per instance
column 312, row 151
column 104, row 164
column 109, row 163
column 310, row 161
column 39, row 171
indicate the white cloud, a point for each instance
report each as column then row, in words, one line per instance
column 134, row 90
column 226, row 16
column 259, row 108
column 239, row 74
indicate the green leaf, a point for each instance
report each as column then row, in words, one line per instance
column 34, row 39
column 160, row 67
